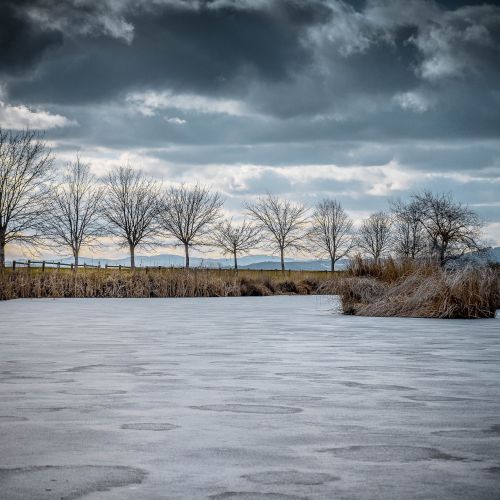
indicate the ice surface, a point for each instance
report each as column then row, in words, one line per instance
column 254, row 397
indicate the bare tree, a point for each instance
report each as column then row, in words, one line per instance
column 131, row 208
column 74, row 216
column 409, row 238
column 25, row 169
column 189, row 215
column 234, row 240
column 282, row 222
column 332, row 230
column 452, row 227
column 374, row 235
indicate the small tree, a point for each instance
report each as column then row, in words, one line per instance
column 234, row 240
column 74, row 216
column 332, row 230
column 409, row 238
column 374, row 235
column 25, row 169
column 189, row 215
column 281, row 221
column 131, row 208
column 451, row 227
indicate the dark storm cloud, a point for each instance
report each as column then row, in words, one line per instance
column 204, row 49
column 22, row 42
column 283, row 58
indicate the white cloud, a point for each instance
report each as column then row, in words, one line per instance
column 106, row 18
column 148, row 103
column 414, row 101
column 446, row 42
column 20, row 117
column 446, row 39
column 176, row 120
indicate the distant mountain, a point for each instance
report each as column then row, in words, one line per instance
column 302, row 265
column 264, row 262
column 491, row 255
column 244, row 262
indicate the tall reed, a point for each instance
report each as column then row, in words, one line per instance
column 32, row 283
column 412, row 289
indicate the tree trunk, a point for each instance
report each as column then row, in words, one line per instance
column 75, row 255
column 441, row 256
column 132, row 256
column 235, row 261
column 282, row 255
column 2, row 251
column 186, row 250
column 333, row 265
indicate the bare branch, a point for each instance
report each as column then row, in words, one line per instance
column 74, row 216
column 374, row 235
column 189, row 214
column 331, row 230
column 234, row 240
column 452, row 228
column 409, row 238
column 131, row 208
column 281, row 221
column 25, row 169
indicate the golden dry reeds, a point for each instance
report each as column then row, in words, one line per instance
column 422, row 290
column 32, row 283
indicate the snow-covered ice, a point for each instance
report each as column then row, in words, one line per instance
column 257, row 397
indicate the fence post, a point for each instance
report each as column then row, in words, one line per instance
column 13, row 265
column 43, row 266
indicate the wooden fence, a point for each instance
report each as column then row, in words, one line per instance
column 45, row 264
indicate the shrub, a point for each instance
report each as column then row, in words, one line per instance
column 426, row 291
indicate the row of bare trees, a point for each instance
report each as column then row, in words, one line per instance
column 79, row 210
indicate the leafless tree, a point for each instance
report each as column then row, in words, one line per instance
column 331, row 230
column 451, row 227
column 131, row 208
column 189, row 214
column 374, row 235
column 236, row 239
column 409, row 238
column 74, row 216
column 281, row 221
column 25, row 168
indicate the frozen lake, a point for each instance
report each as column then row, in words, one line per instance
column 245, row 398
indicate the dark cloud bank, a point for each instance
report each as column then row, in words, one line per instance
column 392, row 95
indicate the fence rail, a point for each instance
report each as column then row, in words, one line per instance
column 46, row 264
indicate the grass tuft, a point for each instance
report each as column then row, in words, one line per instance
column 421, row 290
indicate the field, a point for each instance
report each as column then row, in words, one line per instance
column 244, row 398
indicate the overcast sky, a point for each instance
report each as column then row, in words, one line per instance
column 361, row 101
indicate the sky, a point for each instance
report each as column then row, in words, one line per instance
column 362, row 101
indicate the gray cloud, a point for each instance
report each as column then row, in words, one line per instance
column 365, row 99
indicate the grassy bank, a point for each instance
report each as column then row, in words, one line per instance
column 421, row 290
column 33, row 283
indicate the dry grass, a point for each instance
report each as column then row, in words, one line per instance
column 32, row 283
column 418, row 290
